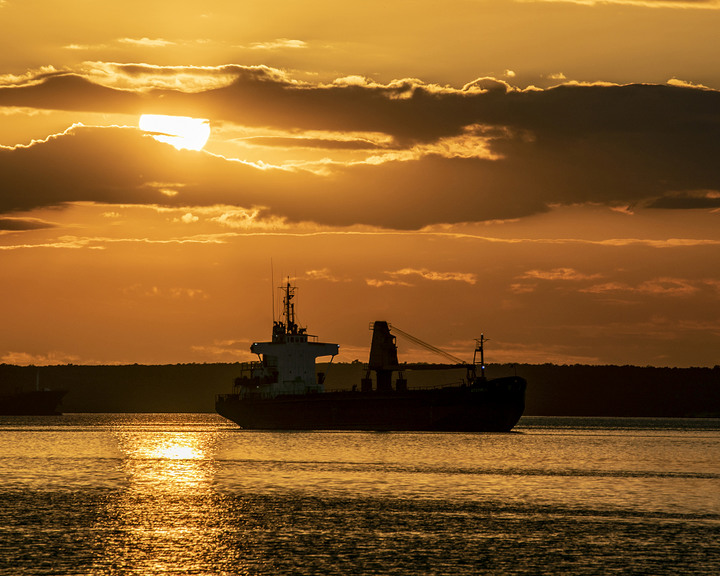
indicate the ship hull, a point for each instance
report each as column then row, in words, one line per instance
column 492, row 406
column 32, row 403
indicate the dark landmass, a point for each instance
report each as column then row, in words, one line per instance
column 577, row 390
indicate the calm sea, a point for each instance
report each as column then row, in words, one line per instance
column 193, row 494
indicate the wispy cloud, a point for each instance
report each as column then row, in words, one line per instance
column 436, row 276
column 279, row 44
column 376, row 283
column 147, row 42
column 64, row 243
column 673, row 4
column 16, row 224
column 223, row 349
column 52, row 358
column 325, row 274
column 101, row 243
column 562, row 274
column 656, row 287
column 172, row 292
column 248, row 219
column 396, row 277
column 186, row 79
column 84, row 47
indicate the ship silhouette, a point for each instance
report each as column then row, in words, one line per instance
column 37, row 402
column 281, row 391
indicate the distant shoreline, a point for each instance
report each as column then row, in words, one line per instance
column 553, row 390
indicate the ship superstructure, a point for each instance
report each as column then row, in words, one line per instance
column 287, row 362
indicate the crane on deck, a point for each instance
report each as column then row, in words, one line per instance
column 384, row 360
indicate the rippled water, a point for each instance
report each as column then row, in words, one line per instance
column 193, row 494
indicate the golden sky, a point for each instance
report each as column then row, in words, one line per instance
column 544, row 172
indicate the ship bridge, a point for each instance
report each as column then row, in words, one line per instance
column 292, row 352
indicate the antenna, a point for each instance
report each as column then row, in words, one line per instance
column 272, row 288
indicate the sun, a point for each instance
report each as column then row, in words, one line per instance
column 182, row 132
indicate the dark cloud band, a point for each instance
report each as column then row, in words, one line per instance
column 653, row 145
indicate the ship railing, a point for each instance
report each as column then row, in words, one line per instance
column 413, row 388
column 247, row 369
column 440, row 386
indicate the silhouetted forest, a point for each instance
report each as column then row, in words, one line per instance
column 577, row 390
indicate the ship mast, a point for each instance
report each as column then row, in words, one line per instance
column 290, row 325
column 479, row 348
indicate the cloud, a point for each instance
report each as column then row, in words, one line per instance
column 172, row 293
column 325, row 143
column 484, row 152
column 375, row 283
column 189, row 218
column 123, row 166
column 52, row 358
column 147, row 42
column 279, row 44
column 562, row 274
column 101, row 242
column 63, row 91
column 248, row 219
column 64, row 242
column 84, row 47
column 409, row 110
column 693, row 199
column 529, row 280
column 677, row 4
column 16, row 224
column 654, row 287
column 484, row 85
column 396, row 277
column 324, row 274
column 686, row 84
column 184, row 79
column 436, row 276
column 522, row 288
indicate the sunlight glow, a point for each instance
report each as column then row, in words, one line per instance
column 182, row 132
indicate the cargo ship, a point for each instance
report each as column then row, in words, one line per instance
column 281, row 391
column 38, row 402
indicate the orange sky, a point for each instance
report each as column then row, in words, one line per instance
column 543, row 172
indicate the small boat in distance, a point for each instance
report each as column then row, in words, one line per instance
column 38, row 402
column 282, row 392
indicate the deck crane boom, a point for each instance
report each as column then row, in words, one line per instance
column 430, row 347
column 471, row 367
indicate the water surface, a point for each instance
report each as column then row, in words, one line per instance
column 194, row 494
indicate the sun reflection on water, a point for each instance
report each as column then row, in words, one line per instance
column 170, row 446
column 162, row 521
column 168, row 461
